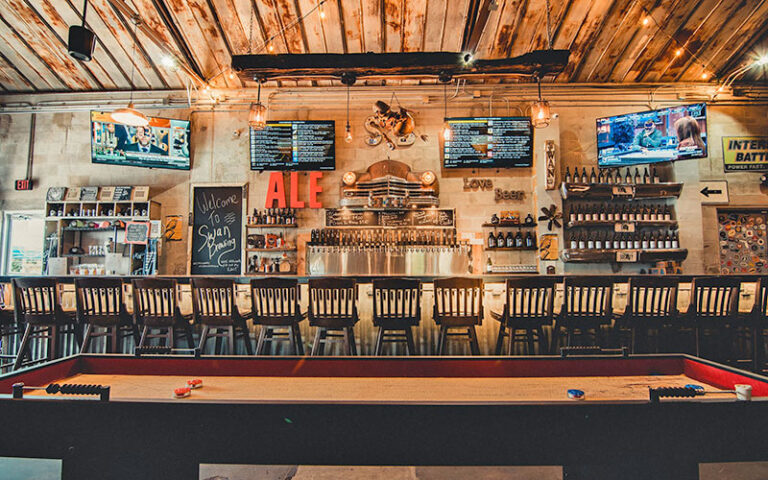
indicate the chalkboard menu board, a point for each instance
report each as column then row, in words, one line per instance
column 217, row 226
column 405, row 218
column 294, row 145
column 489, row 142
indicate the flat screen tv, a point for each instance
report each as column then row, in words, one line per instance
column 489, row 142
column 164, row 143
column 294, row 145
column 665, row 135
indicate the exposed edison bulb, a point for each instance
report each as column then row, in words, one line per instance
column 762, row 61
column 447, row 133
column 705, row 76
column 232, row 74
column 348, row 134
column 678, row 52
column 271, row 48
column 646, row 21
column 322, row 12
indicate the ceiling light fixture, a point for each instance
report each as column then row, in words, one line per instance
column 129, row 115
column 81, row 40
column 447, row 132
column 646, row 21
column 541, row 114
column 348, row 79
column 678, row 52
column 257, row 116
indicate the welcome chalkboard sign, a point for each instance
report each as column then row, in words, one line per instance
column 217, row 230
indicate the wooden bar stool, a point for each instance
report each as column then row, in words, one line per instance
column 396, row 307
column 333, row 310
column 651, row 306
column 100, row 305
column 587, row 306
column 759, row 321
column 529, row 307
column 712, row 313
column 458, row 305
column 275, row 306
column 9, row 331
column 214, row 303
column 156, row 311
column 37, row 304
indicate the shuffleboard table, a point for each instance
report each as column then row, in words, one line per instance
column 384, row 411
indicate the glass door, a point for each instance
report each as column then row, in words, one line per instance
column 22, row 242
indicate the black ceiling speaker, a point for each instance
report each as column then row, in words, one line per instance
column 81, row 40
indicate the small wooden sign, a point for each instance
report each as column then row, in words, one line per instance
column 626, row 256
column 548, row 247
column 136, row 233
column 107, row 194
column 56, row 194
column 173, row 228
column 623, row 191
column 551, row 167
column 73, row 194
column 122, row 194
column 140, row 194
column 89, row 194
column 623, row 227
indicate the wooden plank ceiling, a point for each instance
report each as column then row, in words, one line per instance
column 617, row 41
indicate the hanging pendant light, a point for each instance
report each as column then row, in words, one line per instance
column 447, row 132
column 257, row 116
column 129, row 115
column 81, row 40
column 541, row 114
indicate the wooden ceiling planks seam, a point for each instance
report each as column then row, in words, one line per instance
column 18, row 51
column 733, row 48
column 38, row 36
column 12, row 79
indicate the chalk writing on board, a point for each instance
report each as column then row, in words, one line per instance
column 217, row 230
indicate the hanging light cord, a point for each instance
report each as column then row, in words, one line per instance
column 445, row 100
column 549, row 28
column 347, row 105
column 539, row 82
column 85, row 9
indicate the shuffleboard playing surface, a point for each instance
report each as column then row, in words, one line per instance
column 427, row 390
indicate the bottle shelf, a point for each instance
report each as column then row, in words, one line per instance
column 621, row 191
column 271, row 274
column 89, row 229
column 510, row 225
column 272, row 225
column 270, row 249
column 611, row 223
column 632, row 255
column 511, row 249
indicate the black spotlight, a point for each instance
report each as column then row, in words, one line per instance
column 81, row 40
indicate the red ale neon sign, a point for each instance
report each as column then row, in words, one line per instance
column 276, row 191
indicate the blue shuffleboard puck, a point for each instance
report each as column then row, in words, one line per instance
column 575, row 394
column 694, row 387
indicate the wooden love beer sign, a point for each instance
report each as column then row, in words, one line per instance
column 276, row 191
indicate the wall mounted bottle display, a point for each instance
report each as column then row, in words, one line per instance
column 270, row 248
column 509, row 231
column 742, row 237
column 620, row 215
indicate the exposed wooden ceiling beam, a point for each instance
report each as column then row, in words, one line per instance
column 543, row 62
